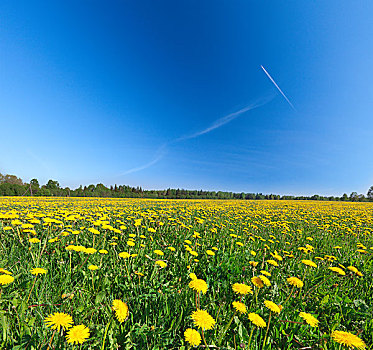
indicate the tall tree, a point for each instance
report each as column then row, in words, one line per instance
column 370, row 193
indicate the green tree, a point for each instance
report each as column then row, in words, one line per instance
column 370, row 193
column 34, row 183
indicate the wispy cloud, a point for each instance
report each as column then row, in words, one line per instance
column 215, row 125
column 278, row 88
column 228, row 118
column 158, row 156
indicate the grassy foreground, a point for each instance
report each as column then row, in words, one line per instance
column 153, row 256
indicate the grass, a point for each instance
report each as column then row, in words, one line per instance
column 160, row 302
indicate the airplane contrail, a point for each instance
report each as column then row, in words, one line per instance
column 216, row 124
column 278, row 88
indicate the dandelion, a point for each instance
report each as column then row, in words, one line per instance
column 253, row 263
column 256, row 320
column 192, row 276
column 295, row 282
column 34, row 240
column 240, row 307
column 124, row 255
column 272, row 306
column 337, row 270
column 121, row 310
column 6, row 279
column 272, row 262
column 192, row 337
column 159, row 252
column 5, row 271
column 131, row 243
column 311, row 320
column 265, row 273
column 241, row 288
column 210, row 252
column 161, row 264
column 348, row 339
column 38, row 271
column 265, row 280
column 90, row 250
column 309, row 263
column 103, row 251
column 59, row 320
column 203, row 320
column 198, row 285
column 257, row 282
column 77, row 334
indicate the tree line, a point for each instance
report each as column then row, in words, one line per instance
column 11, row 185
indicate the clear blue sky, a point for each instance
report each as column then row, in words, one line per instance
column 142, row 93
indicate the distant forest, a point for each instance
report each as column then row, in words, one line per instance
column 11, row 185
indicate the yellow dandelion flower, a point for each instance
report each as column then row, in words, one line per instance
column 38, row 271
column 203, row 320
column 5, row 271
column 192, row 276
column 121, row 310
column 253, row 263
column 77, row 334
column 124, row 255
column 311, row 320
column 337, row 270
column 241, row 288
column 159, row 252
column 257, row 282
column 34, row 240
column 348, row 339
column 265, row 273
column 296, row 282
column 210, row 252
column 272, row 262
column 192, row 337
column 256, row 320
column 309, row 263
column 59, row 320
column 103, row 251
column 265, row 280
column 198, row 285
column 240, row 307
column 161, row 263
column 93, row 267
column 6, row 279
column 90, row 250
column 272, row 306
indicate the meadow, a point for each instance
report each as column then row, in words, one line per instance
column 94, row 273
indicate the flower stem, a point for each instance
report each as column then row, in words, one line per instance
column 291, row 292
column 106, row 330
column 226, row 329
column 265, row 337
column 204, row 340
column 50, row 342
column 31, row 290
column 251, row 334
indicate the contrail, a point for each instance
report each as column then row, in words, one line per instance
column 226, row 119
column 159, row 155
column 216, row 124
column 278, row 88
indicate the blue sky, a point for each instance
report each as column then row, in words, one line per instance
column 142, row 93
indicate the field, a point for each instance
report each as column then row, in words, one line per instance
column 163, row 274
